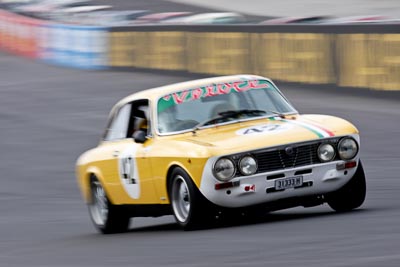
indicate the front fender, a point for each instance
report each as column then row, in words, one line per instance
column 84, row 175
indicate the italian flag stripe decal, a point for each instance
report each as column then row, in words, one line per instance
column 330, row 133
column 317, row 130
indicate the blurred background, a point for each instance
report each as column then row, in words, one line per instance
column 341, row 43
column 65, row 63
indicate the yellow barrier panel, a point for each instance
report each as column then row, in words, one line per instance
column 121, row 49
column 155, row 50
column 141, row 56
column 369, row 60
column 294, row 57
column 218, row 53
column 351, row 60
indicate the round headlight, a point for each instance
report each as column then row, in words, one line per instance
column 224, row 169
column 347, row 148
column 326, row 152
column 248, row 165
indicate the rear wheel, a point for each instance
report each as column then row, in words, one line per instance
column 191, row 210
column 350, row 196
column 107, row 218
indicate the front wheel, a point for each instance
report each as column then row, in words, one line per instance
column 350, row 196
column 190, row 208
column 106, row 217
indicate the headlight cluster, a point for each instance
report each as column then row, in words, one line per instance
column 347, row 148
column 225, row 168
column 326, row 152
column 248, row 165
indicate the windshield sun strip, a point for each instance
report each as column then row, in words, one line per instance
column 266, row 84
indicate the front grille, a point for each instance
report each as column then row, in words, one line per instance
column 279, row 159
column 282, row 158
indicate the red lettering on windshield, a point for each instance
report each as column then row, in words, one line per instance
column 210, row 91
column 197, row 93
column 246, row 86
column 255, row 84
column 237, row 87
column 215, row 90
column 179, row 99
column 224, row 88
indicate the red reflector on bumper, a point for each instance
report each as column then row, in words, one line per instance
column 346, row 165
column 350, row 164
column 251, row 188
column 227, row 185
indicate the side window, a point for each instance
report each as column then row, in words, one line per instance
column 139, row 117
column 118, row 128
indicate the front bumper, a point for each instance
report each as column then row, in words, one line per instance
column 260, row 188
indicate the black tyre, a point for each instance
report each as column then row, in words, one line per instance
column 190, row 208
column 107, row 218
column 350, row 196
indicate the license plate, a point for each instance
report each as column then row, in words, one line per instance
column 289, row 182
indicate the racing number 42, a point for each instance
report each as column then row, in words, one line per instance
column 127, row 170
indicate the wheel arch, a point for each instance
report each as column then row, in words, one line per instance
column 171, row 168
column 89, row 173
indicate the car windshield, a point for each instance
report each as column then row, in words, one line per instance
column 213, row 104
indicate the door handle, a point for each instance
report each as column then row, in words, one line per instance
column 115, row 153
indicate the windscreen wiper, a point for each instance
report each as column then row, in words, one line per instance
column 278, row 114
column 249, row 112
column 230, row 114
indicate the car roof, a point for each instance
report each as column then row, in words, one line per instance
column 157, row 92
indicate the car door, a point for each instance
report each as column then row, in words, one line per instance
column 129, row 175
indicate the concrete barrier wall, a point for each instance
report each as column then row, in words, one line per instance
column 75, row 46
column 18, row 34
column 363, row 56
column 164, row 50
column 295, row 57
column 64, row 45
column 369, row 60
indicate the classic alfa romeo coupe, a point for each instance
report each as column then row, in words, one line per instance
column 231, row 144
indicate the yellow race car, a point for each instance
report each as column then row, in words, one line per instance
column 209, row 147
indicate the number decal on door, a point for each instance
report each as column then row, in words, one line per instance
column 128, row 172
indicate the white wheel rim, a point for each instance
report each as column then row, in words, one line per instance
column 98, row 207
column 180, row 199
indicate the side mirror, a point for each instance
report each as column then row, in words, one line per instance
column 140, row 136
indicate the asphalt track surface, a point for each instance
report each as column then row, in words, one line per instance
column 50, row 115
